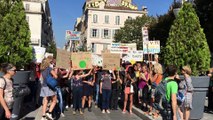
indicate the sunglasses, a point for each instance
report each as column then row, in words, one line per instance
column 13, row 70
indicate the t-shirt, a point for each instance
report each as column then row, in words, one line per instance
column 106, row 82
column 171, row 88
column 8, row 91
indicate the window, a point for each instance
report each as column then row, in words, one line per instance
column 94, row 33
column 106, row 33
column 95, row 18
column 104, row 46
column 106, row 19
column 27, row 18
column 27, row 6
column 114, row 32
column 117, row 20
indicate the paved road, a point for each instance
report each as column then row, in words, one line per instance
column 97, row 115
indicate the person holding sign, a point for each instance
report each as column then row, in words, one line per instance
column 78, row 89
column 105, row 89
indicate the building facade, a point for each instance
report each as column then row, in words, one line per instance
column 40, row 22
column 101, row 19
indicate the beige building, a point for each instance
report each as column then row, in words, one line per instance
column 101, row 19
column 40, row 22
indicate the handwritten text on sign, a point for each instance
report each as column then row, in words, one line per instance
column 111, row 61
column 153, row 47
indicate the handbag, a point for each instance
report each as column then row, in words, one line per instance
column 51, row 82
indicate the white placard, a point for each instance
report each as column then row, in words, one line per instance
column 97, row 60
column 153, row 47
column 38, row 54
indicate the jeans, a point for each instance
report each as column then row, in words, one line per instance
column 106, row 94
column 97, row 93
column 114, row 99
column 77, row 95
column 60, row 98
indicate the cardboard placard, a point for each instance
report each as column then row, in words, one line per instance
column 63, row 59
column 111, row 61
column 81, row 60
column 97, row 60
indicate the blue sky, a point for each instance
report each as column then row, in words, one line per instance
column 65, row 12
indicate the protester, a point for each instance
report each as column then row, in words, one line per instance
column 171, row 94
column 155, row 78
column 6, row 88
column 46, row 92
column 77, row 90
column 187, row 105
column 143, row 86
column 130, row 79
column 115, row 91
column 105, row 90
column 88, row 84
column 98, row 74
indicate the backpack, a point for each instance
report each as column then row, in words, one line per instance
column 161, row 102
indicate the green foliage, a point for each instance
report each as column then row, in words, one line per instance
column 131, row 32
column 14, row 34
column 52, row 48
column 160, row 30
column 187, row 43
column 204, row 9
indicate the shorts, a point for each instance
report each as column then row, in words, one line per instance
column 129, row 90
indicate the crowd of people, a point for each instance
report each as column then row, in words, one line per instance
column 137, row 84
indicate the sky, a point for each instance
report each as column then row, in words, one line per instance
column 65, row 12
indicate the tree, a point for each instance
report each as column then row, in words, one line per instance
column 187, row 44
column 131, row 32
column 52, row 48
column 160, row 29
column 14, row 35
column 204, row 9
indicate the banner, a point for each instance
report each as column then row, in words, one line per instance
column 97, row 60
column 73, row 35
column 81, row 60
column 122, row 48
column 111, row 61
column 153, row 47
column 63, row 59
column 38, row 54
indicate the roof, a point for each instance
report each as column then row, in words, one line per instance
column 119, row 8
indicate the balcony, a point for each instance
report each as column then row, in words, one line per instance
column 35, row 41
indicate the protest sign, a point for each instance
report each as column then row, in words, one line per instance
column 81, row 60
column 122, row 48
column 111, row 61
column 136, row 55
column 38, row 54
column 151, row 47
column 97, row 60
column 63, row 59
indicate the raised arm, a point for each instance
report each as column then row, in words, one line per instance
column 85, row 75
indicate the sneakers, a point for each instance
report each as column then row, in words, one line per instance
column 73, row 112
column 62, row 115
column 81, row 112
column 107, row 111
column 103, row 111
column 130, row 112
column 67, row 107
column 124, row 111
column 49, row 116
column 43, row 117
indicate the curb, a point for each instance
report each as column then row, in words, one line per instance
column 141, row 114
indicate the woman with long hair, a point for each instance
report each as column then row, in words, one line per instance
column 46, row 92
column 6, row 88
column 129, row 80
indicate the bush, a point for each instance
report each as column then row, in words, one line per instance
column 187, row 44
